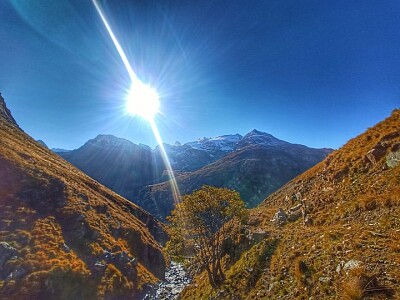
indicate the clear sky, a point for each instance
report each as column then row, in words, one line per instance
column 311, row 72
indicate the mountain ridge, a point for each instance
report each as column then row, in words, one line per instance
column 138, row 172
column 65, row 236
column 254, row 171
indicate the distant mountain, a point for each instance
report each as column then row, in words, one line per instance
column 42, row 143
column 64, row 235
column 59, row 150
column 223, row 143
column 260, row 138
column 117, row 163
column 333, row 232
column 260, row 165
column 256, row 165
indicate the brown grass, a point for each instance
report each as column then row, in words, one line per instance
column 360, row 285
column 61, row 222
column 355, row 208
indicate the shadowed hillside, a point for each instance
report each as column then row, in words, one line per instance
column 117, row 163
column 331, row 233
column 64, row 235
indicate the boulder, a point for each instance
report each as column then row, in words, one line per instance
column 259, row 236
column 294, row 215
column 18, row 273
column 280, row 217
column 393, row 157
column 375, row 154
column 352, row 264
column 6, row 252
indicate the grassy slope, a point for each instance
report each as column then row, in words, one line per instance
column 355, row 208
column 61, row 223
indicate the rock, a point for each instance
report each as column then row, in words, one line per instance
column 99, row 265
column 294, row 215
column 176, row 280
column 375, row 154
column 351, row 264
column 66, row 248
column 295, row 208
column 393, row 158
column 122, row 258
column 6, row 252
column 18, row 273
column 324, row 279
column 308, row 221
column 280, row 217
column 298, row 196
column 259, row 236
column 341, row 174
column 6, row 113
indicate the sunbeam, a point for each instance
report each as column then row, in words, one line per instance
column 174, row 185
column 142, row 100
column 116, row 43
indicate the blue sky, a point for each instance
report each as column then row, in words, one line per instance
column 311, row 72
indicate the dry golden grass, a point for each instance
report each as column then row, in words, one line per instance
column 355, row 208
column 360, row 285
column 61, row 223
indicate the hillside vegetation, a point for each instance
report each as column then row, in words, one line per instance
column 255, row 171
column 331, row 233
column 65, row 236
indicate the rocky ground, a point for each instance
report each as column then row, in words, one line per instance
column 176, row 279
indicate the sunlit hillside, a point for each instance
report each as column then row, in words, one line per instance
column 331, row 233
column 64, row 235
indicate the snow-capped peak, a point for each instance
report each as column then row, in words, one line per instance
column 224, row 143
column 109, row 141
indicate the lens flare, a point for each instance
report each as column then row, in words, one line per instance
column 142, row 100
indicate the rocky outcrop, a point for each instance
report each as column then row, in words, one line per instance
column 6, row 252
column 375, row 154
column 393, row 157
column 5, row 113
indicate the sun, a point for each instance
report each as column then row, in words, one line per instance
column 143, row 101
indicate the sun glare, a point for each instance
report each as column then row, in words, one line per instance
column 143, row 101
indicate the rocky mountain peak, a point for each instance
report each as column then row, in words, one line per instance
column 42, row 143
column 5, row 113
column 108, row 140
column 256, row 137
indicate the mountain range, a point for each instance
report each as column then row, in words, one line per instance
column 331, row 232
column 255, row 165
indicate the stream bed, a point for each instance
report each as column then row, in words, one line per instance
column 176, row 279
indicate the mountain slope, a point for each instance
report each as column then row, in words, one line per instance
column 117, row 163
column 62, row 234
column 331, row 233
column 255, row 171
